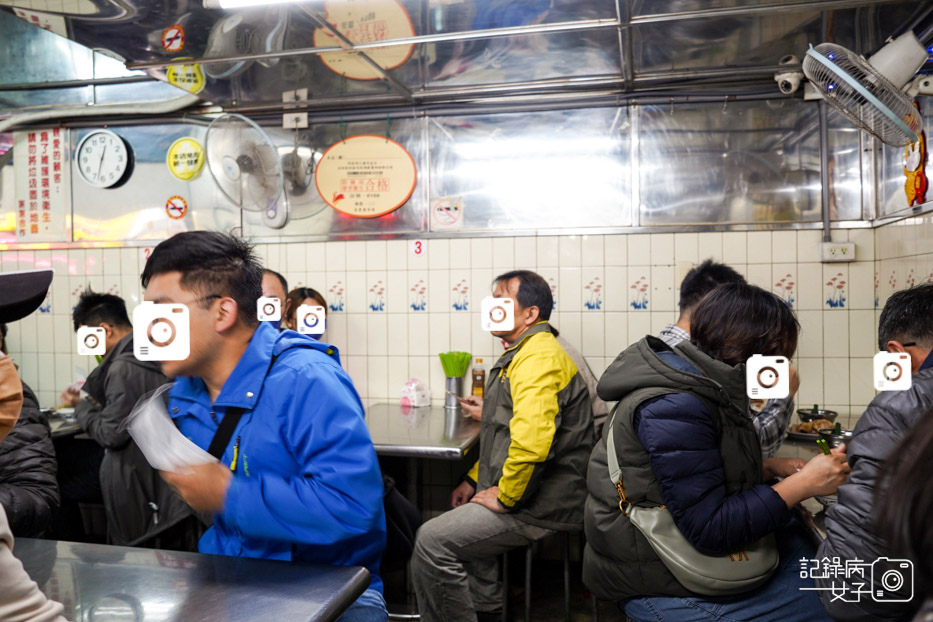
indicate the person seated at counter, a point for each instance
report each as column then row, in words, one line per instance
column 274, row 285
column 20, row 597
column 905, row 326
column 683, row 441
column 529, row 481
column 142, row 510
column 770, row 418
column 297, row 297
column 298, row 479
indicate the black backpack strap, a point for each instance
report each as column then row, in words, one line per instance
column 228, row 424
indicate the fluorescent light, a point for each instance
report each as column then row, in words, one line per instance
column 239, row 4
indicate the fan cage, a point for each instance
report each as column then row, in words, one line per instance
column 237, row 137
column 864, row 114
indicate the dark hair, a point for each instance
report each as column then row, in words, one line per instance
column 703, row 279
column 905, row 500
column 294, row 298
column 533, row 291
column 210, row 264
column 738, row 320
column 278, row 276
column 908, row 316
column 3, row 330
column 93, row 308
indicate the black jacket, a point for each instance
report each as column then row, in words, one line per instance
column 139, row 504
column 851, row 532
column 28, row 488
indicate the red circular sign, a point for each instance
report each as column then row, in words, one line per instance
column 176, row 208
column 173, row 38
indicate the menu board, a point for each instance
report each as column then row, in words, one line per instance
column 366, row 176
column 40, row 162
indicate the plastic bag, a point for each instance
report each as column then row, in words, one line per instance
column 415, row 394
column 165, row 447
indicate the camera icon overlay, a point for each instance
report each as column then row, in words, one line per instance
column 497, row 314
column 892, row 580
column 767, row 377
column 92, row 340
column 269, row 309
column 892, row 371
column 311, row 320
column 160, row 332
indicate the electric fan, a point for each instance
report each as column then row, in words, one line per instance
column 868, row 92
column 245, row 165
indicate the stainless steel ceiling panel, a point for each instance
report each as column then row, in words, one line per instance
column 846, row 166
column 720, row 163
column 892, row 198
column 545, row 170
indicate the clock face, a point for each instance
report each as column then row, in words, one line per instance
column 103, row 159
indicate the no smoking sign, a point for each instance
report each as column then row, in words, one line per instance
column 447, row 214
column 176, row 208
column 173, row 38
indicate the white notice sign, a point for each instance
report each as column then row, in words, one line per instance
column 40, row 159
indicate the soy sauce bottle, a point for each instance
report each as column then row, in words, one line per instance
column 479, row 378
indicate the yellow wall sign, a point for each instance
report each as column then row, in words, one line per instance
column 366, row 176
column 187, row 77
column 185, row 158
column 364, row 21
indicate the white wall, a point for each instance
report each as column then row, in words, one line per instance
column 383, row 348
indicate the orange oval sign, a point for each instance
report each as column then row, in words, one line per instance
column 366, row 176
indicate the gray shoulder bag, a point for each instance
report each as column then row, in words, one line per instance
column 709, row 575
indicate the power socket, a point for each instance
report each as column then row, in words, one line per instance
column 831, row 252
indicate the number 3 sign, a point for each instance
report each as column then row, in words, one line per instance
column 417, row 247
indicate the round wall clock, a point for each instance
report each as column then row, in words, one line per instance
column 104, row 159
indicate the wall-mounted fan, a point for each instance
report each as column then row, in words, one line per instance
column 868, row 92
column 245, row 165
column 244, row 33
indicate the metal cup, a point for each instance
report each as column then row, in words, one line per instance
column 454, row 389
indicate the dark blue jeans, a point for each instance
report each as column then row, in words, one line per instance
column 778, row 600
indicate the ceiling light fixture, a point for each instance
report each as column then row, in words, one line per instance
column 241, row 4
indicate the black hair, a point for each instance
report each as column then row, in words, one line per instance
column 3, row 330
column 905, row 500
column 211, row 264
column 533, row 291
column 908, row 316
column 736, row 321
column 703, row 279
column 296, row 296
column 279, row 277
column 94, row 308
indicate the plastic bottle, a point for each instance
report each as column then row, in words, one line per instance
column 479, row 378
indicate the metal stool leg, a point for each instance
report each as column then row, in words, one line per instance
column 505, row 586
column 595, row 607
column 528, row 553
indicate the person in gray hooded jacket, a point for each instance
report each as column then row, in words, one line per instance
column 140, row 506
column 906, row 326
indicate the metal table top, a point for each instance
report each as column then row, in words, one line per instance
column 62, row 427
column 426, row 432
column 97, row 582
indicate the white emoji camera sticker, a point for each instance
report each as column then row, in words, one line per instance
column 92, row 340
column 269, row 309
column 767, row 377
column 892, row 371
column 497, row 314
column 311, row 320
column 160, row 332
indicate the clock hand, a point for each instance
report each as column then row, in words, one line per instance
column 100, row 164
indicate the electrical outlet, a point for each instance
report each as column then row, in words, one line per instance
column 837, row 251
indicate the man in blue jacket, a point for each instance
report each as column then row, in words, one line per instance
column 299, row 478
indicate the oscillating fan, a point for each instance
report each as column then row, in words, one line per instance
column 245, row 165
column 868, row 92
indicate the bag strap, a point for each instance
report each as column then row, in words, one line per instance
column 231, row 418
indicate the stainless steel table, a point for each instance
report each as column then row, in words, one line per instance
column 97, row 582
column 62, row 427
column 426, row 432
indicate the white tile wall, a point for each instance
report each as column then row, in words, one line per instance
column 382, row 349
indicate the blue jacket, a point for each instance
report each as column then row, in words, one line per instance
column 307, row 484
column 678, row 432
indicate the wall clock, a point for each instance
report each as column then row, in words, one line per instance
column 104, row 159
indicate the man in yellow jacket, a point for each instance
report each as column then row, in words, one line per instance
column 529, row 481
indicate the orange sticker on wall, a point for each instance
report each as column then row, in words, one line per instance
column 366, row 176
column 365, row 21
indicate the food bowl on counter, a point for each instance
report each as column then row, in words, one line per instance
column 835, row 439
column 808, row 414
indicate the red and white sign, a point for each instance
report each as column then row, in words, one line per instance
column 447, row 214
column 176, row 207
column 40, row 160
column 173, row 38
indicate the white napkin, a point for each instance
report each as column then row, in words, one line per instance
column 165, row 447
